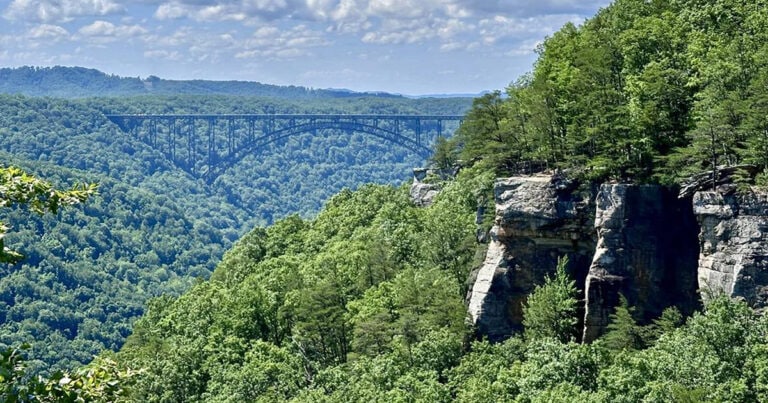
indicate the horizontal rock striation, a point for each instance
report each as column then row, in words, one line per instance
column 733, row 235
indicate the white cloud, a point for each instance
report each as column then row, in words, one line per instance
column 48, row 32
column 59, row 10
column 499, row 28
column 101, row 32
column 229, row 10
column 106, row 28
column 163, row 55
column 171, row 11
column 271, row 42
column 452, row 24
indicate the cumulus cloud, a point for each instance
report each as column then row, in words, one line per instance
column 272, row 42
column 228, row 10
column 163, row 55
column 101, row 32
column 48, row 32
column 59, row 10
column 390, row 22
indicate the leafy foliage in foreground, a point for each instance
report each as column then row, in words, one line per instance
column 17, row 188
column 103, row 380
column 644, row 90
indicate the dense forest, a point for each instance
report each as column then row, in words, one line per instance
column 365, row 303
column 343, row 310
column 649, row 91
column 365, row 300
column 153, row 230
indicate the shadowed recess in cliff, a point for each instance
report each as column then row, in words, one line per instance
column 639, row 241
column 647, row 250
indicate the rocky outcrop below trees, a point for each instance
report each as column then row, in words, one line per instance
column 424, row 188
column 640, row 241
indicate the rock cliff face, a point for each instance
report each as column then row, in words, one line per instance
column 734, row 245
column 647, row 250
column 639, row 241
column 538, row 219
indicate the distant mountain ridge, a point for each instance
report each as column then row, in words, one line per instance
column 81, row 82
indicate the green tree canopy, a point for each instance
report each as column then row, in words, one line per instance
column 18, row 188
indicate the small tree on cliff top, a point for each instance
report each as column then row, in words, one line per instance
column 551, row 309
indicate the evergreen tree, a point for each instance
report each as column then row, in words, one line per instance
column 623, row 332
column 550, row 311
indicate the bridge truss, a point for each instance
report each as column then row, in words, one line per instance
column 207, row 145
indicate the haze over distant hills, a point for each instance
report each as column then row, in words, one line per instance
column 81, row 82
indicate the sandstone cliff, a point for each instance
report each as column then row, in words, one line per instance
column 538, row 219
column 639, row 241
column 647, row 250
column 734, row 245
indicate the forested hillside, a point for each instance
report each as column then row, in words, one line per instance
column 153, row 230
column 365, row 303
column 644, row 90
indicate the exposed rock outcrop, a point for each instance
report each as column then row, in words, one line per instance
column 641, row 241
column 422, row 193
column 646, row 250
column 733, row 239
column 538, row 219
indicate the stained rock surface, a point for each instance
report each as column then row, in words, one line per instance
column 733, row 235
column 637, row 241
column 538, row 219
column 647, row 250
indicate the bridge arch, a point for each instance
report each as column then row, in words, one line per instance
column 389, row 135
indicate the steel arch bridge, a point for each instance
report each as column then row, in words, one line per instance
column 207, row 145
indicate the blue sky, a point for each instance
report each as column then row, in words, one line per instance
column 401, row 46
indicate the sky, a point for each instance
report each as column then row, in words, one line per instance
column 413, row 47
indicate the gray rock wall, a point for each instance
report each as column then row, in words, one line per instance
column 538, row 220
column 647, row 250
column 734, row 245
column 640, row 241
column 643, row 242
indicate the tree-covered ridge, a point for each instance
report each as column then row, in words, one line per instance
column 647, row 90
column 87, row 272
column 80, row 82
